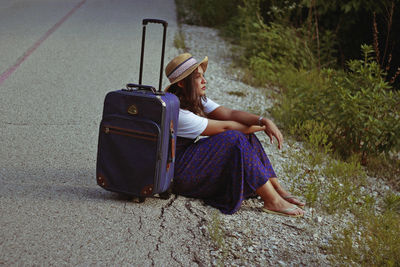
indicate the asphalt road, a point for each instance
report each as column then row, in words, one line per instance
column 58, row 59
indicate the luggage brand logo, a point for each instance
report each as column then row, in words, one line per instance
column 132, row 110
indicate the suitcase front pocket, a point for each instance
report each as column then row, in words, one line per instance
column 108, row 129
column 129, row 151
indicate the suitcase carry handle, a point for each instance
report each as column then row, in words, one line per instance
column 165, row 24
column 171, row 146
column 131, row 86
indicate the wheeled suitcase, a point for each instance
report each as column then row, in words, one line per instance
column 136, row 147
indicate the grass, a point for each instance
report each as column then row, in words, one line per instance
column 217, row 235
column 326, row 182
column 386, row 167
column 237, row 93
column 179, row 41
column 372, row 241
column 338, row 187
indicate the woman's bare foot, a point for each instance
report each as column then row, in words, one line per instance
column 284, row 194
column 274, row 203
column 284, row 208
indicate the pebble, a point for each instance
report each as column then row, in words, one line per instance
column 318, row 219
column 282, row 263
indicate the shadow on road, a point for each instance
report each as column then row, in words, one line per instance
column 50, row 184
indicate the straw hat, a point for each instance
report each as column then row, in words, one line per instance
column 182, row 66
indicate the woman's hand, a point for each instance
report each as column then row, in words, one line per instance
column 272, row 131
column 252, row 129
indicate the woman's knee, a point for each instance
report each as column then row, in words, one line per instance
column 234, row 135
column 228, row 139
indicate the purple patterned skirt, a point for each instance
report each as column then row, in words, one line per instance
column 222, row 170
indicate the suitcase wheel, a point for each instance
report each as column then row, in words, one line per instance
column 165, row 195
column 142, row 199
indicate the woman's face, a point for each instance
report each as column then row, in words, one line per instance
column 199, row 81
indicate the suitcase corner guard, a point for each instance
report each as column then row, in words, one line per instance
column 101, row 181
column 147, row 190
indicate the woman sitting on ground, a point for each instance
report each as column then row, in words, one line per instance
column 230, row 165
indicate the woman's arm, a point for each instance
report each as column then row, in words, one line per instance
column 246, row 118
column 217, row 126
column 226, row 114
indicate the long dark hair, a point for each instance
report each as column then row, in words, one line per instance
column 187, row 95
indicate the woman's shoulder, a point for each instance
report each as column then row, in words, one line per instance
column 187, row 114
column 185, row 111
column 206, row 100
column 209, row 105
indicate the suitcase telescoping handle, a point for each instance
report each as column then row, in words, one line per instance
column 165, row 24
column 160, row 21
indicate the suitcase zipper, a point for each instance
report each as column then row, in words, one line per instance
column 130, row 133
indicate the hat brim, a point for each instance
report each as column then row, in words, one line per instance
column 203, row 63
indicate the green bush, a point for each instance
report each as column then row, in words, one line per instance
column 268, row 49
column 206, row 12
column 367, row 110
column 358, row 106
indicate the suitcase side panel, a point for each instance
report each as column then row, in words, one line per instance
column 169, row 140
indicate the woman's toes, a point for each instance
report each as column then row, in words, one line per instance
column 294, row 200
column 299, row 211
column 294, row 210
